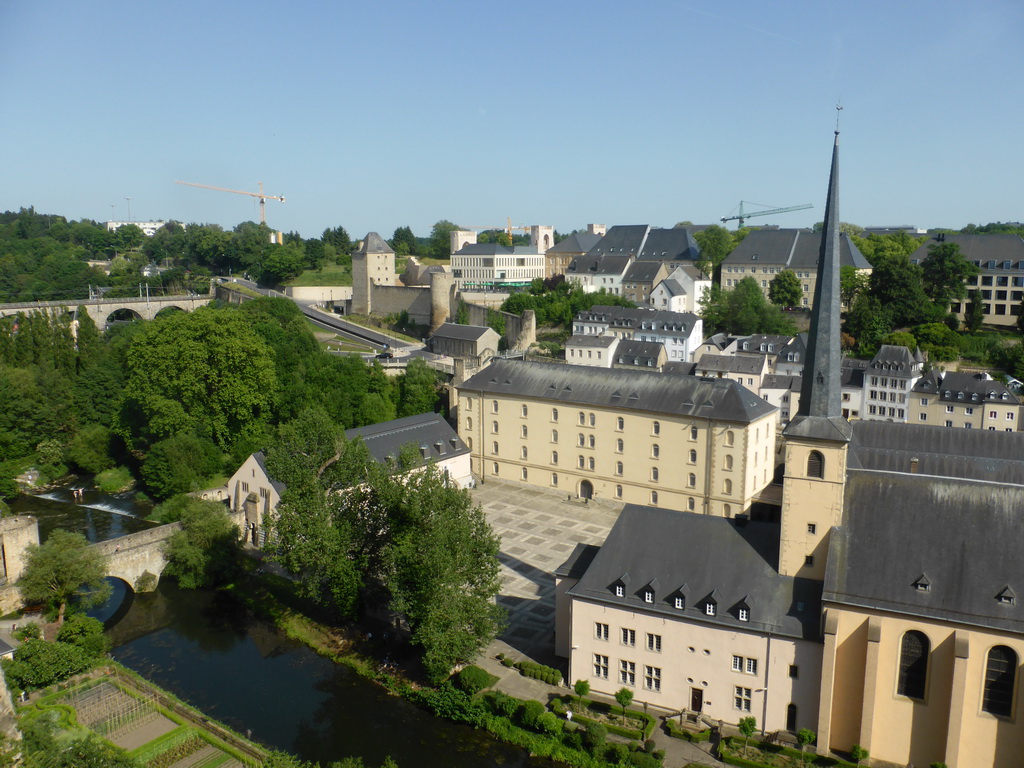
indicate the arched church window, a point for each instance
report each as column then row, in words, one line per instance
column 815, row 464
column 1000, row 676
column 913, row 675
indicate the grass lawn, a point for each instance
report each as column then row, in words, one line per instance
column 331, row 274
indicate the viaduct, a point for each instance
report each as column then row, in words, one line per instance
column 102, row 310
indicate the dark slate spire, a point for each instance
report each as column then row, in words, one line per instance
column 820, row 413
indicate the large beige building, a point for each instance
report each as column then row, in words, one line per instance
column 678, row 442
column 964, row 400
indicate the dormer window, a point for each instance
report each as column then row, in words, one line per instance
column 680, row 603
column 922, row 583
column 1006, row 596
column 709, row 608
column 620, row 591
column 648, row 596
column 744, row 614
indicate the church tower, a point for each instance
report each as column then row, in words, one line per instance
column 818, row 436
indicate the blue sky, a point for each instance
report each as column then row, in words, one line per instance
column 374, row 115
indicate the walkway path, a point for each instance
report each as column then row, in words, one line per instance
column 539, row 528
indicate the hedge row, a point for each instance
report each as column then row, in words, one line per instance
column 677, row 731
column 733, row 743
column 559, row 706
column 547, row 674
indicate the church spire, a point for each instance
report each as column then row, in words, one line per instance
column 820, row 412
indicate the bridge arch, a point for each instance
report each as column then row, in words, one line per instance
column 122, row 315
column 170, row 309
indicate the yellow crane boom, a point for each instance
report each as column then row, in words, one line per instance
column 263, row 197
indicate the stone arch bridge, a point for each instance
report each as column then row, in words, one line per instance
column 129, row 558
column 101, row 310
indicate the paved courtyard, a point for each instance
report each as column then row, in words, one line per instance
column 539, row 528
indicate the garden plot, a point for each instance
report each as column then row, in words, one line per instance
column 125, row 720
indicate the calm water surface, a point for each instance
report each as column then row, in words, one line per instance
column 209, row 651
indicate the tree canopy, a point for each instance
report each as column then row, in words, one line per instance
column 61, row 570
column 743, row 310
column 361, row 532
column 784, row 290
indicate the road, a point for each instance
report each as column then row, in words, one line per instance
column 347, row 330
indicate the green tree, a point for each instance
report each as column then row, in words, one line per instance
column 868, row 322
column 784, row 289
column 63, row 569
column 748, row 725
column 858, row 753
column 180, row 464
column 440, row 239
column 582, row 688
column 852, row 283
column 805, row 736
column 90, row 449
column 205, row 552
column 898, row 285
column 85, row 632
column 743, row 310
column 417, row 389
column 282, row 263
column 945, row 274
column 625, row 697
column 205, row 372
column 715, row 244
column 338, row 238
column 404, row 242
column 445, row 567
column 975, row 314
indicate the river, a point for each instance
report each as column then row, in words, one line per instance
column 208, row 650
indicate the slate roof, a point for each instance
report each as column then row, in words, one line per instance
column 625, row 239
column 580, row 559
column 901, row 362
column 676, row 244
column 778, row 381
column 966, row 537
column 595, row 342
column 261, row 460
column 580, row 242
column 696, row 556
column 974, row 388
column 680, row 368
column 755, row 342
column 426, row 430
column 660, row 320
column 793, row 248
column 374, row 243
column 754, row 364
column 982, row 248
column 632, row 390
column 672, row 287
column 462, row 332
column 639, row 353
column 642, row 271
column 973, row 454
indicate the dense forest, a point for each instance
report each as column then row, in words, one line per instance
column 180, row 400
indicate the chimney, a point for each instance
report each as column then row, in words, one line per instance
column 913, row 465
column 425, row 451
column 440, row 448
column 454, row 441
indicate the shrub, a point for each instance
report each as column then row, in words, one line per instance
column 449, row 702
column 617, row 753
column 548, row 724
column 502, row 704
column 537, row 671
column 114, row 480
column 37, row 664
column 28, row 632
column 473, row 679
column 529, row 713
column 506, row 662
column 86, row 633
column 594, row 737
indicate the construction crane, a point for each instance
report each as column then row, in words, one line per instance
column 744, row 216
column 263, row 198
column 507, row 228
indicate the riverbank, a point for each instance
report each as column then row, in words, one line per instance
column 374, row 650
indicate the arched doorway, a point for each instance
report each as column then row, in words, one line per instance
column 586, row 489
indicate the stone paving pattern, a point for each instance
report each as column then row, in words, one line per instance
column 539, row 529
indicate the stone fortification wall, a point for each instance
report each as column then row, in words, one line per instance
column 393, row 299
column 16, row 533
column 322, row 293
column 520, row 330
